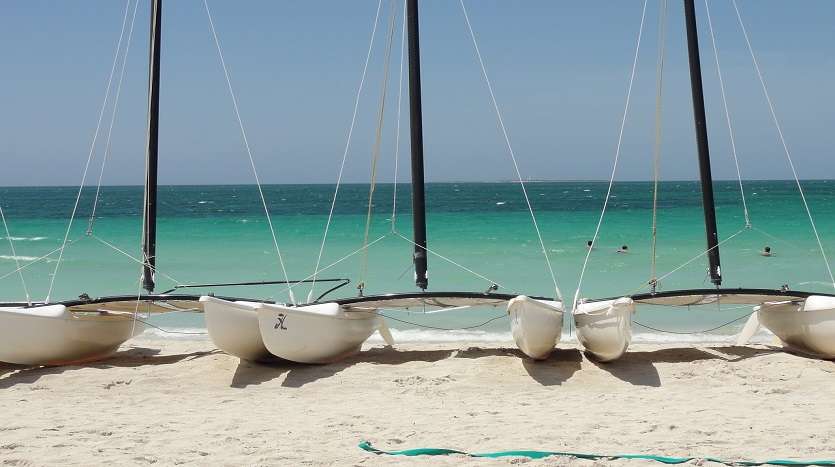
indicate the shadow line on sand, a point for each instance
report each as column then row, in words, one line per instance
column 558, row 368
column 132, row 357
column 299, row 374
column 638, row 367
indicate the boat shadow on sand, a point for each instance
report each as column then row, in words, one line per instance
column 299, row 374
column 635, row 367
column 638, row 367
column 12, row 375
column 562, row 364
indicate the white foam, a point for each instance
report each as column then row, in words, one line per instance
column 474, row 336
column 174, row 333
column 19, row 258
column 24, row 239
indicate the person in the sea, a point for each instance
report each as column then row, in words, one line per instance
column 767, row 251
column 589, row 244
column 623, row 249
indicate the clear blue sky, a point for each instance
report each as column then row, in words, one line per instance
column 559, row 69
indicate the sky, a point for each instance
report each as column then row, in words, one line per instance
column 559, row 69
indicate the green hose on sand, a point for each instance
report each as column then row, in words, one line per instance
column 366, row 446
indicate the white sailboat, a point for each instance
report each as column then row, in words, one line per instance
column 536, row 325
column 321, row 333
column 604, row 328
column 233, row 327
column 43, row 333
column 806, row 326
column 57, row 335
column 326, row 331
column 803, row 321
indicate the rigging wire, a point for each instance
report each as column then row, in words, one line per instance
column 397, row 131
column 316, row 270
column 617, row 153
column 656, row 157
column 426, row 326
column 510, row 148
column 37, row 260
column 168, row 331
column 248, row 150
column 91, row 152
column 14, row 255
column 448, row 260
column 727, row 115
column 695, row 332
column 107, row 144
column 703, row 253
column 311, row 277
column 375, row 154
column 135, row 259
column 783, row 141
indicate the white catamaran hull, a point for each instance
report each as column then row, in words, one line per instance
column 536, row 325
column 233, row 327
column 53, row 335
column 316, row 333
column 605, row 328
column 807, row 327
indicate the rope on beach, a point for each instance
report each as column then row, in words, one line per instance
column 366, row 446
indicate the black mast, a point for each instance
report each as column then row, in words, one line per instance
column 701, row 142
column 149, row 219
column 416, row 121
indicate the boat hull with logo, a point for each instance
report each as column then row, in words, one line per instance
column 321, row 333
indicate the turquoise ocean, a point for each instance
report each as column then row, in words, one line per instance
column 214, row 234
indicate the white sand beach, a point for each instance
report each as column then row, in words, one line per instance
column 171, row 402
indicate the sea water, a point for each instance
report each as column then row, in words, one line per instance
column 479, row 234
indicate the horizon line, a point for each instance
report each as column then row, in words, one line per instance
column 452, row 182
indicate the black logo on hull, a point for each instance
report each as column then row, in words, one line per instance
column 280, row 323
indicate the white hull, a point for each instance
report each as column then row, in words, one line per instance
column 536, row 325
column 605, row 328
column 316, row 333
column 807, row 327
column 52, row 335
column 233, row 327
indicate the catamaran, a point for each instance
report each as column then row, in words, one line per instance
column 803, row 321
column 324, row 331
column 88, row 328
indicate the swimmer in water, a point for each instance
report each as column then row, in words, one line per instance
column 623, row 249
column 766, row 251
column 589, row 244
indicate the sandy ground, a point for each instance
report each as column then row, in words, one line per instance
column 169, row 402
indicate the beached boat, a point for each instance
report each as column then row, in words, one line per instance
column 316, row 333
column 806, row 326
column 233, row 327
column 54, row 335
column 604, row 328
column 82, row 330
column 321, row 331
column 804, row 321
column 536, row 325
